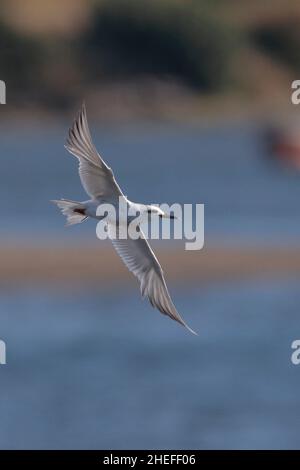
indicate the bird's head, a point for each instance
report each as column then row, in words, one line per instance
column 156, row 211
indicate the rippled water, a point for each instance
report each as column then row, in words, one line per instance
column 104, row 370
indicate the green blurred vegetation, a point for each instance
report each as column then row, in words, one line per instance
column 125, row 40
column 282, row 41
column 160, row 38
column 195, row 43
column 20, row 60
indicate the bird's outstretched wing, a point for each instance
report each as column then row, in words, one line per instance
column 96, row 177
column 142, row 262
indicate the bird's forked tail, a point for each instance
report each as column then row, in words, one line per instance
column 74, row 211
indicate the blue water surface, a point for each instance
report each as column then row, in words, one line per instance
column 101, row 369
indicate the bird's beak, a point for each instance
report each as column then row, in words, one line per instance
column 167, row 216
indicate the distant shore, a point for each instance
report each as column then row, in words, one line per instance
column 83, row 266
column 177, row 108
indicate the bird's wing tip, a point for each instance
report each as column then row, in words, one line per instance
column 191, row 331
column 82, row 112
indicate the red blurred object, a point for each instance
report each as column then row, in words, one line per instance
column 284, row 145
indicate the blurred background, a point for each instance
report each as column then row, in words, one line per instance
column 188, row 101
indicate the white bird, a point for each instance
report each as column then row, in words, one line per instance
column 99, row 182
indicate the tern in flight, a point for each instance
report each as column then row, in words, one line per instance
column 99, row 182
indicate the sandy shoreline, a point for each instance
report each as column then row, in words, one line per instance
column 91, row 265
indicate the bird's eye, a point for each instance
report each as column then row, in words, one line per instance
column 149, row 211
